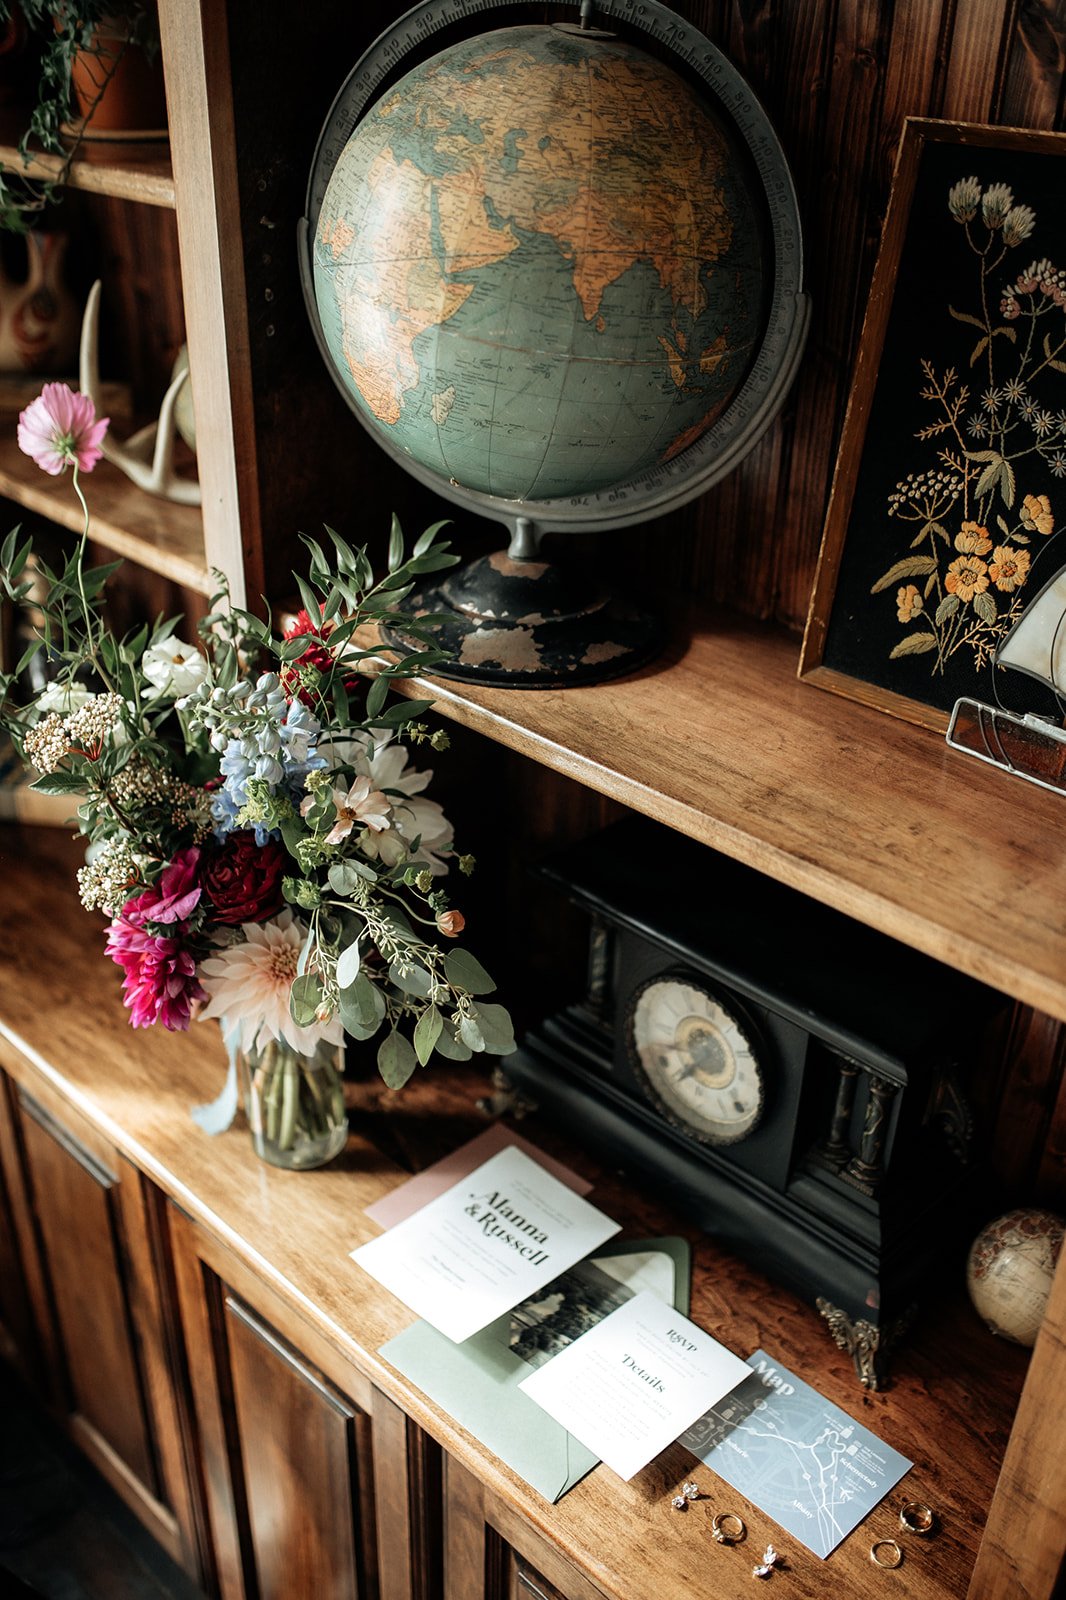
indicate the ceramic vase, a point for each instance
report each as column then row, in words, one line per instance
column 39, row 316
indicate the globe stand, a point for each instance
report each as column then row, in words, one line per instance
column 516, row 621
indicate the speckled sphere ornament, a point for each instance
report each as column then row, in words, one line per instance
column 1010, row 1269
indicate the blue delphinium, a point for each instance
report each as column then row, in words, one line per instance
column 277, row 747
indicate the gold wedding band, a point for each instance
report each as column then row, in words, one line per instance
column 727, row 1527
column 916, row 1518
column 893, row 1553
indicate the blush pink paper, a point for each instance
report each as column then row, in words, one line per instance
column 426, row 1186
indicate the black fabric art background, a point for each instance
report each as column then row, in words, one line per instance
column 961, row 487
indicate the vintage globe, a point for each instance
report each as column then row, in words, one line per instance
column 1009, row 1272
column 539, row 264
column 557, row 273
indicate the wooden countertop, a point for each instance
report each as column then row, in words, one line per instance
column 949, row 1409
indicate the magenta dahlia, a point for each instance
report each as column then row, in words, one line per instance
column 160, row 983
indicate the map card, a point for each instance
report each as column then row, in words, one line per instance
column 796, row 1456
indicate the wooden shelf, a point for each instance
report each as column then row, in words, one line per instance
column 955, row 1387
column 879, row 819
column 123, row 170
column 156, row 534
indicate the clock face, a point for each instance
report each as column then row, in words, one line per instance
column 698, row 1060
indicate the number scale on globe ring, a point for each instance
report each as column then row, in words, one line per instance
column 698, row 1059
column 721, row 447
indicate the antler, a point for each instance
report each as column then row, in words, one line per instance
column 147, row 458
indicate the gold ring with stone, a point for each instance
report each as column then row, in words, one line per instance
column 916, row 1518
column 727, row 1527
column 893, row 1555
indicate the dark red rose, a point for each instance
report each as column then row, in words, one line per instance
column 242, row 880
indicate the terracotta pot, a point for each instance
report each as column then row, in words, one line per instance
column 133, row 98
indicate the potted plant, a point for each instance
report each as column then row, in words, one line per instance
column 83, row 52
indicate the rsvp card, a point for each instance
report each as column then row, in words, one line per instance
column 629, row 1386
column 493, row 1239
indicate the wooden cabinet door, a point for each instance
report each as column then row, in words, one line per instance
column 86, row 1222
column 20, row 1337
column 490, row 1553
column 309, row 1481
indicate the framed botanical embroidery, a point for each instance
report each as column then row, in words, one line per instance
column 950, row 488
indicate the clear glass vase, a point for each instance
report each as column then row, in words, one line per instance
column 294, row 1103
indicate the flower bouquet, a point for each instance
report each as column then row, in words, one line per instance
column 259, row 840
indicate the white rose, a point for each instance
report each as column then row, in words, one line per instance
column 174, row 668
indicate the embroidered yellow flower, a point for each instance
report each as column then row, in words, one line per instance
column 1009, row 569
column 908, row 603
column 966, row 577
column 972, row 540
column 1036, row 514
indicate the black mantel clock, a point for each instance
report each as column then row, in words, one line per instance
column 789, row 1077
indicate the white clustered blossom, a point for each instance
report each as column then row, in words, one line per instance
column 248, row 987
column 174, row 668
column 47, row 745
column 107, row 879
column 94, row 721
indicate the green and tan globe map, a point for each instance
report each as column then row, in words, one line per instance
column 539, row 265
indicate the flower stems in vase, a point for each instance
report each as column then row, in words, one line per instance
column 295, row 1103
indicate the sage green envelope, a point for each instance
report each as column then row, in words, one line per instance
column 476, row 1382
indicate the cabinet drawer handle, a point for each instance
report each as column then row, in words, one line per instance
column 527, row 1583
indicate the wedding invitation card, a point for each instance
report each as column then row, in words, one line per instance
column 491, row 1240
column 629, row 1386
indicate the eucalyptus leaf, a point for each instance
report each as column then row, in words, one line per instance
column 348, row 964
column 396, row 1059
column 471, row 1034
column 305, row 997
column 450, row 1047
column 367, row 1000
column 428, row 1030
column 497, row 1029
column 343, row 877
column 353, row 1019
column 411, row 978
column 464, row 971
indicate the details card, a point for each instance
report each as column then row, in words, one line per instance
column 490, row 1241
column 629, row 1386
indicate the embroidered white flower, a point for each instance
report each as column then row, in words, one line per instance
column 248, row 986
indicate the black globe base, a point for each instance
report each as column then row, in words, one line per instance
column 528, row 624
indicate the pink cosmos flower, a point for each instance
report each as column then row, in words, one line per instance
column 61, row 429
column 173, row 898
column 160, row 984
